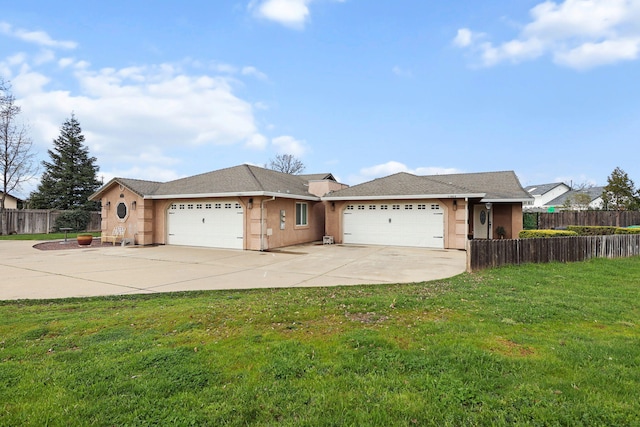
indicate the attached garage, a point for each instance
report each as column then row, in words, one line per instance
column 211, row 223
column 395, row 223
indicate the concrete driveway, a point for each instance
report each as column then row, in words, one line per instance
column 28, row 273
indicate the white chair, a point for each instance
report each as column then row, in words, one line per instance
column 116, row 234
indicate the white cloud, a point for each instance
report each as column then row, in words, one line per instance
column 290, row 13
column 150, row 173
column 384, row 169
column 592, row 54
column 257, row 142
column 135, row 117
column 289, row 145
column 580, row 34
column 39, row 38
column 254, row 72
column 463, row 38
column 393, row 167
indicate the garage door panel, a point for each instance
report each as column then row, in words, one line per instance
column 210, row 223
column 396, row 224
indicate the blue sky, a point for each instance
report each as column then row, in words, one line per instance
column 358, row 88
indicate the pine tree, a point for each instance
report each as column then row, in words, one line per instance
column 620, row 193
column 71, row 175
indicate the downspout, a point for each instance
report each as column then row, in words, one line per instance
column 467, row 242
column 466, row 219
column 262, row 203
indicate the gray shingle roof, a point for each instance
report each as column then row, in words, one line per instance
column 139, row 186
column 243, row 179
column 542, row 188
column 593, row 192
column 247, row 179
column 318, row 176
column 492, row 186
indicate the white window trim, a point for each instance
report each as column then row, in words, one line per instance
column 299, row 222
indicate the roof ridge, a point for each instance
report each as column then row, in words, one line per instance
column 432, row 178
column 253, row 175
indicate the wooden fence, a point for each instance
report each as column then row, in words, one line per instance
column 483, row 254
column 35, row 221
column 547, row 221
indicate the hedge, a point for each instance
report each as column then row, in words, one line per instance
column 530, row 234
column 583, row 230
column 575, row 230
column 627, row 230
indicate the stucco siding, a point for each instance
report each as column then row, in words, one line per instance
column 132, row 206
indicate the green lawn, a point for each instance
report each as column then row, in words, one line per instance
column 555, row 344
column 43, row 236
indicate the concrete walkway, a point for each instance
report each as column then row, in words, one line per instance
column 28, row 273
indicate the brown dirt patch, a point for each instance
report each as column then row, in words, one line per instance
column 57, row 245
column 509, row 348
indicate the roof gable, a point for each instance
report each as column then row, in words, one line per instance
column 491, row 186
column 12, row 197
column 541, row 189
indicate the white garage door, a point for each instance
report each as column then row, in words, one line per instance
column 395, row 224
column 210, row 223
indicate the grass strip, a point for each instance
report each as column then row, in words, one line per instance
column 553, row 344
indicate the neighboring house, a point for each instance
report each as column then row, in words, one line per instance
column 544, row 193
column 587, row 198
column 248, row 207
column 11, row 202
column 440, row 211
column 242, row 207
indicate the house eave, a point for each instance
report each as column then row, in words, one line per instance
column 404, row 197
column 498, row 200
column 231, row 194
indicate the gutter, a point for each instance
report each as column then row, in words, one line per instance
column 234, row 194
column 262, row 203
column 406, row 197
column 495, row 200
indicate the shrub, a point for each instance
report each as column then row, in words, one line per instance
column 592, row 230
column 77, row 220
column 530, row 234
column 627, row 230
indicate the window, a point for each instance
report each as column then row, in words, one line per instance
column 435, row 207
column 207, row 205
column 218, row 205
column 174, row 206
column 396, row 207
column 384, row 207
column 181, row 206
column 238, row 206
column 121, row 210
column 350, row 207
column 408, row 207
column 199, row 206
column 301, row 214
column 422, row 207
column 372, row 207
column 360, row 207
column 227, row 205
column 190, row 206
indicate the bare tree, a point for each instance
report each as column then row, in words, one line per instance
column 16, row 158
column 581, row 186
column 287, row 163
